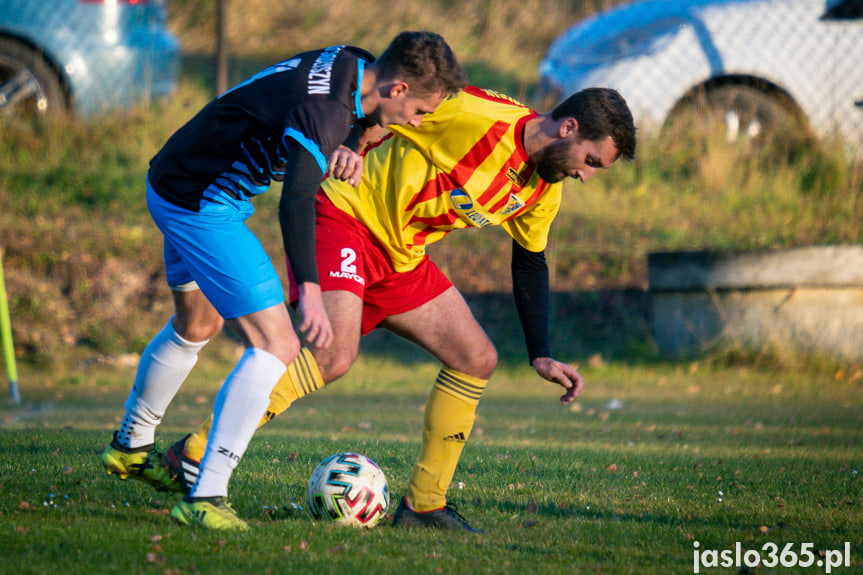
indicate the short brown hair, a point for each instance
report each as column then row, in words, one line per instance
column 425, row 61
column 600, row 113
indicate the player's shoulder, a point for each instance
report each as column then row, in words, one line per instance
column 474, row 99
column 336, row 50
column 359, row 53
column 486, row 107
column 487, row 96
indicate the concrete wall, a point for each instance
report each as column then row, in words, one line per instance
column 803, row 299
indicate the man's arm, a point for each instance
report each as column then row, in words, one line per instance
column 297, row 219
column 532, row 300
column 530, row 288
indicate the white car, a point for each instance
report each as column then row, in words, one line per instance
column 759, row 65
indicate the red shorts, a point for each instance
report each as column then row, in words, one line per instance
column 350, row 259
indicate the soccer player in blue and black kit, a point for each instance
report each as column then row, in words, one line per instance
column 282, row 124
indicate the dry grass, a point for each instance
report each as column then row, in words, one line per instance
column 492, row 38
column 83, row 260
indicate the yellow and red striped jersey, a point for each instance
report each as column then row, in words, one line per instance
column 464, row 166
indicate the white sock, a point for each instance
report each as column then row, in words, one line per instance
column 240, row 404
column 163, row 368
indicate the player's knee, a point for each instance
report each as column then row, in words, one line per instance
column 487, row 361
column 334, row 365
column 480, row 361
column 200, row 329
column 286, row 349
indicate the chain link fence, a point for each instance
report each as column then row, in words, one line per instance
column 84, row 56
column 758, row 65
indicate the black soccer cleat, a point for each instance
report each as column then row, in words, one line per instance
column 182, row 468
column 444, row 518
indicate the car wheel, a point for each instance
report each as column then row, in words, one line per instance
column 740, row 114
column 29, row 87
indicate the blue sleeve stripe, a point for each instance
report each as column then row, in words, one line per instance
column 361, row 67
column 274, row 69
column 309, row 145
column 250, row 158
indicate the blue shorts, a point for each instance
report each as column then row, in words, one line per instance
column 214, row 249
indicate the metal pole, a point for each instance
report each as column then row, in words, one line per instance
column 221, row 47
column 6, row 337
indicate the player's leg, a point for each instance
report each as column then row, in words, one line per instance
column 242, row 400
column 344, row 305
column 164, row 366
column 345, row 310
column 236, row 274
column 446, row 328
column 311, row 370
column 240, row 404
column 301, row 378
column 215, row 248
column 337, row 235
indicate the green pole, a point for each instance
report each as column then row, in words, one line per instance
column 6, row 337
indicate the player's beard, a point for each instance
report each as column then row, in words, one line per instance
column 553, row 166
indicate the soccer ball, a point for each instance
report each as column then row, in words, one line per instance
column 350, row 489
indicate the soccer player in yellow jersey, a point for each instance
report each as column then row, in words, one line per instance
column 480, row 159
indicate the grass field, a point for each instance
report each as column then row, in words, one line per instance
column 688, row 454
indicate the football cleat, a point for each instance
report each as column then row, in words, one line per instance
column 182, row 469
column 143, row 463
column 208, row 512
column 444, row 518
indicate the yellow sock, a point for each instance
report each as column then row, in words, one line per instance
column 449, row 417
column 196, row 444
column 301, row 378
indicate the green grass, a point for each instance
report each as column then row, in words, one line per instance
column 696, row 453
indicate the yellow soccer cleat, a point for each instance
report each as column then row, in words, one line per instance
column 144, row 464
column 209, row 513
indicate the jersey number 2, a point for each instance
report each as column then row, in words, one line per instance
column 349, row 256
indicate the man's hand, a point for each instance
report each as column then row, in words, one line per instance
column 316, row 328
column 346, row 165
column 560, row 373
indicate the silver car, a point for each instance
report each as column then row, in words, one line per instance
column 759, row 66
column 83, row 56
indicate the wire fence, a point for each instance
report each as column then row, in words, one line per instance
column 755, row 62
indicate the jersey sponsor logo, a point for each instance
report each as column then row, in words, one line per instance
column 349, row 276
column 348, row 269
column 513, row 205
column 477, row 218
column 460, row 199
column 322, row 71
column 515, row 177
column 464, row 205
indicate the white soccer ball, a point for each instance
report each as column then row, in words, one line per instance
column 350, row 489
